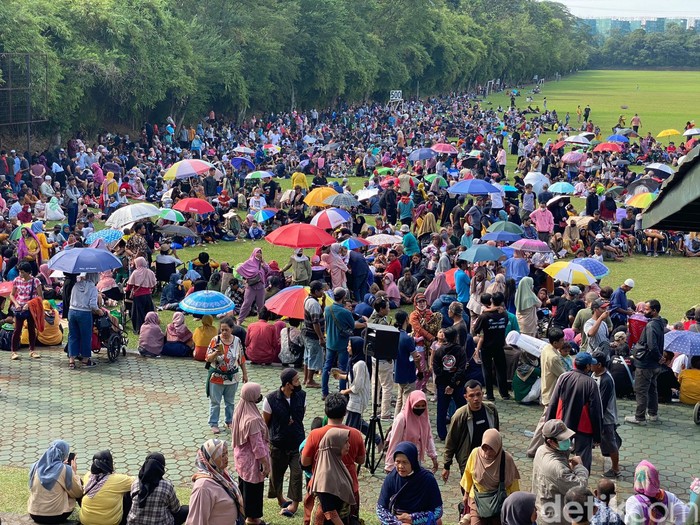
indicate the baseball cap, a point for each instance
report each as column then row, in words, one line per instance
column 599, row 303
column 599, row 237
column 574, row 290
column 405, row 228
column 629, row 282
column 556, row 429
column 584, row 358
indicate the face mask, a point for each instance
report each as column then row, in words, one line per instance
column 259, row 399
column 297, row 388
column 565, row 445
column 418, row 411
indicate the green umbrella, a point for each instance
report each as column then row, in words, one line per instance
column 505, row 226
column 430, row 178
column 171, row 215
column 595, row 143
column 385, row 171
column 17, row 232
column 615, row 190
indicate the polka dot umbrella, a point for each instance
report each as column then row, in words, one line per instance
column 683, row 342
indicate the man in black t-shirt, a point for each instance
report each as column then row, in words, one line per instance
column 271, row 189
column 492, row 324
column 627, row 230
column 564, row 306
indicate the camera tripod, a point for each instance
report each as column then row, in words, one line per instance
column 373, row 459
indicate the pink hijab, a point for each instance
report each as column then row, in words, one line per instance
column 436, row 288
column 253, row 267
column 106, row 281
column 44, row 270
column 177, row 330
column 23, row 251
column 97, row 174
column 142, row 276
column 247, row 420
column 151, row 336
column 416, row 429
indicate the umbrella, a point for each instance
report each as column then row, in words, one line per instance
column 531, row 245
column 237, row 162
column 660, row 169
column 474, row 187
column 16, row 233
column 668, row 133
column 6, row 288
column 597, row 268
column 78, row 260
column 330, row 218
column 171, row 230
column 442, row 147
column 505, row 226
column 244, row 150
column 682, row 342
column 422, row 154
column 317, row 196
column 258, row 175
column 342, row 200
column 450, row 278
column 618, row 138
column 627, row 132
column 300, row 235
column 641, row 200
column 109, row 236
column 578, row 139
column 353, row 243
column 194, row 205
column 569, row 272
column 187, row 168
column 621, row 162
column 560, row 144
column 608, row 146
column 366, row 193
column 309, row 139
column 645, row 183
column 537, row 179
column 290, row 302
column 331, row 146
column 588, row 135
column 385, row 171
column 207, row 302
column 441, row 181
column 573, row 157
column 272, row 149
column 482, row 252
column 265, row 214
column 132, row 213
column 383, row 239
column 169, row 214
column 502, row 236
column 562, row 187
column 508, row 188
column 555, row 200
column 691, row 132
column 689, row 145
column 615, row 191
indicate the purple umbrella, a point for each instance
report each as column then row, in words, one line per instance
column 531, row 245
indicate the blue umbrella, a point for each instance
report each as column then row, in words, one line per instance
column 481, row 253
column 108, row 236
column 508, row 187
column 422, row 154
column 683, row 342
column 207, row 302
column 236, row 162
column 502, row 236
column 597, row 268
column 618, row 138
column 353, row 243
column 79, row 260
column 562, row 187
column 474, row 187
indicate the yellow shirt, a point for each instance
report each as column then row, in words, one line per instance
column 44, row 246
column 690, row 386
column 299, row 179
column 105, row 507
column 468, row 483
column 51, row 336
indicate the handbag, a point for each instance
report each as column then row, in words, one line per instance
column 252, row 281
column 489, row 503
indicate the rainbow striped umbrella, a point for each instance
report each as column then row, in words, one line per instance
column 265, row 214
column 187, row 168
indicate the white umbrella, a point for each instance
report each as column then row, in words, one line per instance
column 243, row 149
column 366, row 193
column 132, row 213
column 537, row 179
column 577, row 139
column 691, row 132
column 382, row 239
column 658, row 166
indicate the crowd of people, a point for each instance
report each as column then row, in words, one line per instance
column 454, row 317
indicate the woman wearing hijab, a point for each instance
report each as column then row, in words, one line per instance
column 338, row 269
column 332, row 484
column 110, row 187
column 153, row 498
column 608, row 208
column 47, row 282
column 106, row 495
column 216, row 499
column 251, row 451
column 54, row 485
column 52, row 334
column 519, row 509
column 412, row 424
column 650, row 504
column 151, row 336
column 526, row 375
column 254, row 271
column 202, row 336
column 482, row 473
column 428, row 226
column 358, row 384
column 40, row 235
column 178, row 338
column 392, row 291
column 526, row 305
column 29, row 249
column 498, row 285
column 84, row 303
column 409, row 491
column 141, row 283
column 301, row 268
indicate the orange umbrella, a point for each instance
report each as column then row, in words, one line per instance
column 300, row 235
column 608, row 146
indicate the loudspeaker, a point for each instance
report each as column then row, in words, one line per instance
column 382, row 341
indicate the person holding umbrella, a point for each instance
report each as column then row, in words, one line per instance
column 83, row 304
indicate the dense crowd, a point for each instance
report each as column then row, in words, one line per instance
column 471, row 313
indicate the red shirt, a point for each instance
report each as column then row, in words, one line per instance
column 394, row 268
column 357, row 449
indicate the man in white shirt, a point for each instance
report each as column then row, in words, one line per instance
column 496, row 197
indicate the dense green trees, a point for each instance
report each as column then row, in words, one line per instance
column 128, row 60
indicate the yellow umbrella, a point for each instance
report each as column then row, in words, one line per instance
column 641, row 200
column 317, row 196
column 569, row 272
column 668, row 133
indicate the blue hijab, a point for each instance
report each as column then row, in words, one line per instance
column 418, row 492
column 51, row 465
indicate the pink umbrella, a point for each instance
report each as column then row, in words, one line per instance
column 573, row 157
column 442, row 147
column 531, row 245
column 330, row 218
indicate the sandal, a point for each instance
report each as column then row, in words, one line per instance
column 34, row 355
column 90, row 364
column 15, row 356
column 287, row 513
column 71, row 366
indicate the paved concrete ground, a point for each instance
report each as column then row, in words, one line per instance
column 138, row 405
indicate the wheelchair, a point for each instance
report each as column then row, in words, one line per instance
column 641, row 247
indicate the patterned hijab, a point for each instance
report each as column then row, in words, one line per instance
column 212, row 462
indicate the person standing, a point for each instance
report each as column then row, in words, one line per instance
column 595, row 328
column 141, row 283
column 449, row 367
column 609, row 444
column 25, row 288
column 636, row 123
column 526, row 305
column 83, row 305
column 412, row 424
column 301, row 268
column 543, row 220
column 72, row 195
column 385, row 367
column 314, row 333
column 255, row 271
column 283, row 411
column 406, row 362
column 648, row 358
column 249, row 437
column 492, row 324
column 619, row 306
column 359, row 271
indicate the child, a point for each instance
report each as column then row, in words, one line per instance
column 255, row 232
column 358, row 386
column 292, row 346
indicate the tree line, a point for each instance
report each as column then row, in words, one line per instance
column 125, row 61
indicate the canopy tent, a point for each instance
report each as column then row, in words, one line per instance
column 678, row 204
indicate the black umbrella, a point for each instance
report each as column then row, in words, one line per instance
column 173, row 229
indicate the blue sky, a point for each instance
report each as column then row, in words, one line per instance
column 634, row 8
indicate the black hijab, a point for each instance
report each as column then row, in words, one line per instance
column 358, row 354
column 152, row 471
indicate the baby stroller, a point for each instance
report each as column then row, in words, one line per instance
column 108, row 333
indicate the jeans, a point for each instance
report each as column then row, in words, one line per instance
column 489, row 357
column 17, row 333
column 646, row 392
column 79, row 333
column 216, row 392
column 360, row 287
column 331, row 357
column 443, row 403
column 72, row 214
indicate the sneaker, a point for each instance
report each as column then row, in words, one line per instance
column 648, row 254
column 611, row 474
column 656, row 254
column 634, row 421
column 15, row 356
column 653, row 419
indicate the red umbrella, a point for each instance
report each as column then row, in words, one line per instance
column 608, row 146
column 450, row 277
column 192, row 205
column 300, row 235
column 560, row 144
column 442, row 147
column 290, row 301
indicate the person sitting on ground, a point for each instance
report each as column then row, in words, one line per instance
column 178, row 338
column 604, row 493
column 52, row 334
column 690, row 382
column 151, row 336
column 408, row 287
column 54, row 485
column 202, row 336
column 172, row 293
column 106, row 495
column 263, row 340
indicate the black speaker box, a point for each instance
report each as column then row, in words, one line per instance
column 382, row 341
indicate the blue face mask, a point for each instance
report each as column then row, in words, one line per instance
column 565, row 445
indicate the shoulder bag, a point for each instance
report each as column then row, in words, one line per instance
column 489, row 503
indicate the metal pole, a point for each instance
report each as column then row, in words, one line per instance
column 29, row 104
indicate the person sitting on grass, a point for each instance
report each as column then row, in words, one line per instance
column 151, row 336
column 178, row 338
column 106, row 495
column 690, row 382
column 202, row 336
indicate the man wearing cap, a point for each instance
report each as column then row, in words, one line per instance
column 554, row 472
column 409, row 241
column 597, row 335
column 576, row 401
column 340, row 326
column 619, row 306
column 609, row 445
